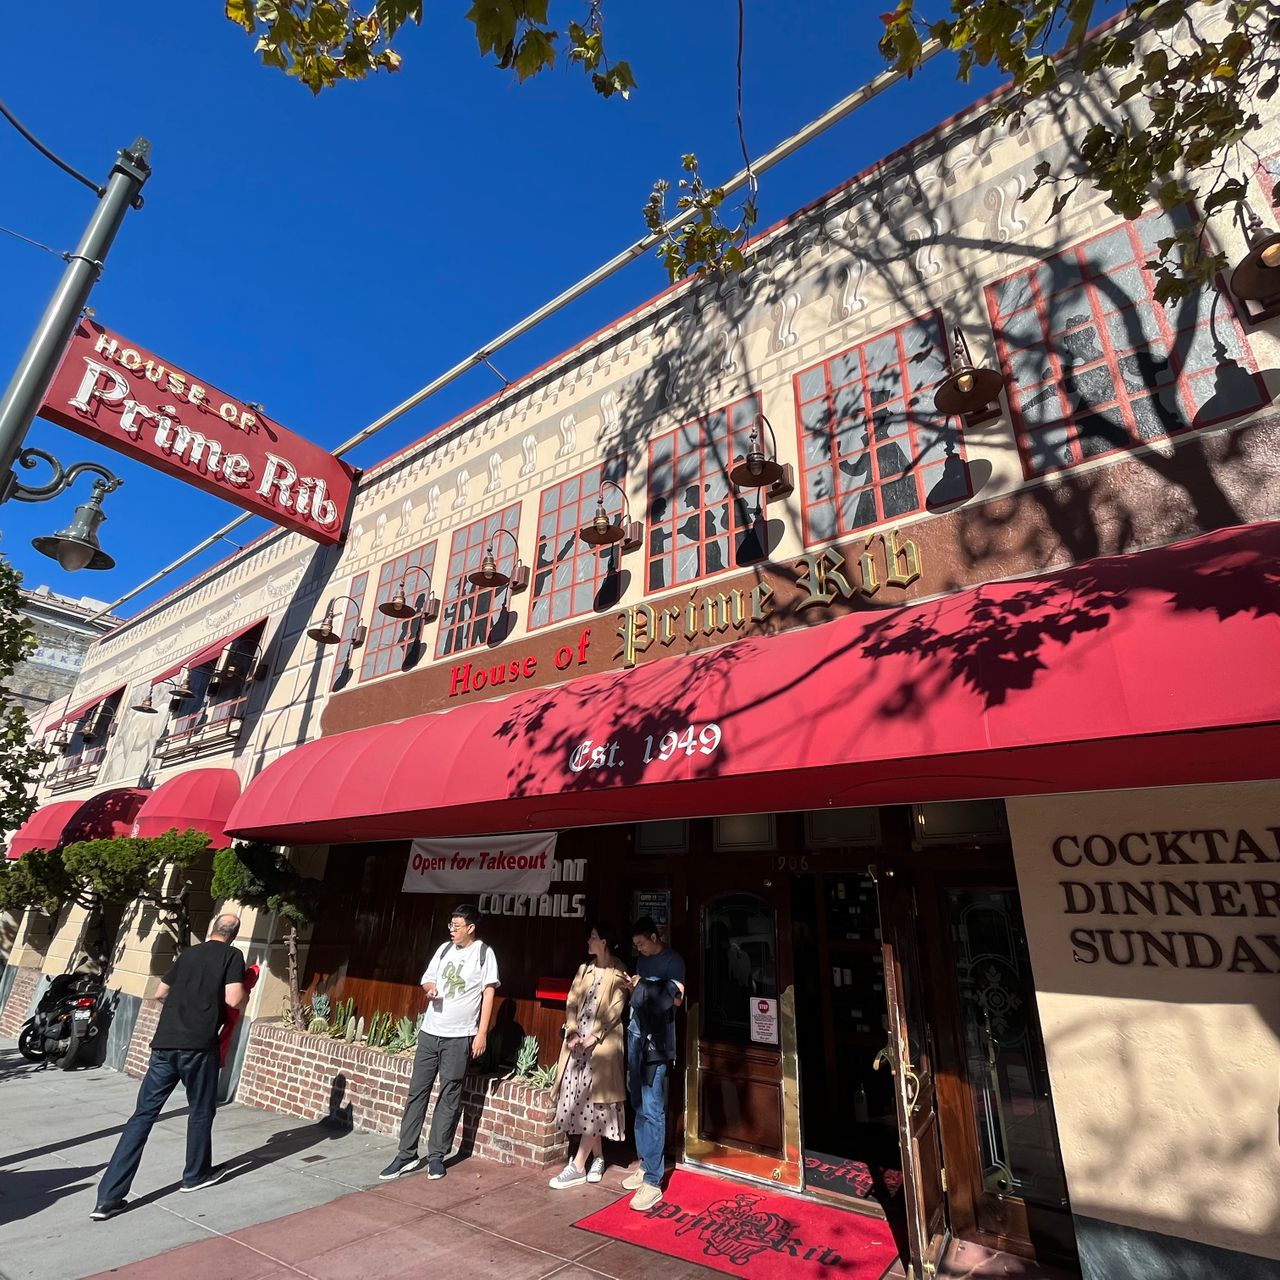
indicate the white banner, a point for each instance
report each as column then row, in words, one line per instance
column 519, row 863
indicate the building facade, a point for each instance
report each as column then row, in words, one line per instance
column 946, row 755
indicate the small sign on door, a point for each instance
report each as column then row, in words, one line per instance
column 764, row 1020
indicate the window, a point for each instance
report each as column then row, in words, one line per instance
column 697, row 525
column 1269, row 176
column 470, row 615
column 1094, row 364
column 347, row 619
column 394, row 642
column 570, row 577
column 872, row 446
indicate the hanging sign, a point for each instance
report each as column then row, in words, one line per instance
column 764, row 1020
column 520, row 863
column 132, row 401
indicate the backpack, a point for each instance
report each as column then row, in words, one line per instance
column 439, row 955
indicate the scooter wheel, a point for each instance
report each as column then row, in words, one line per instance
column 68, row 1059
column 29, row 1044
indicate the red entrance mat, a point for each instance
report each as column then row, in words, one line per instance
column 745, row 1232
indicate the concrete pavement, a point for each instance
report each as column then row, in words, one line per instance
column 59, row 1130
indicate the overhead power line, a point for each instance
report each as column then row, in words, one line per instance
column 744, row 177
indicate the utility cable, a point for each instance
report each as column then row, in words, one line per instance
column 49, row 155
column 17, row 235
column 788, row 146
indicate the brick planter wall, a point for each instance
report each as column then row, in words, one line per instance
column 25, row 982
column 317, row 1079
column 135, row 1062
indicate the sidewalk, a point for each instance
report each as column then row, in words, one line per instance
column 301, row 1200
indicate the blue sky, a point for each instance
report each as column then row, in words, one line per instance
column 329, row 256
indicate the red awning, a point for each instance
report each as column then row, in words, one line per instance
column 200, row 799
column 1157, row 668
column 79, row 712
column 109, row 813
column 43, row 830
column 203, row 655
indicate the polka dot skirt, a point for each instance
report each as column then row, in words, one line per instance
column 575, row 1112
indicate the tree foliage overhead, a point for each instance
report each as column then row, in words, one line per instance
column 1182, row 106
column 259, row 876
column 39, row 880
column 128, row 868
column 324, row 41
column 20, row 759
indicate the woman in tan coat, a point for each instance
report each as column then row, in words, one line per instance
column 591, row 1086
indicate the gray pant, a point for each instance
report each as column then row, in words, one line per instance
column 447, row 1057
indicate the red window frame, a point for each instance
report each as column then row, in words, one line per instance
column 467, row 611
column 1089, row 274
column 714, row 441
column 924, row 433
column 587, row 567
column 342, row 658
column 1269, row 176
column 387, row 634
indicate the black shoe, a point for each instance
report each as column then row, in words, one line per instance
column 400, row 1165
column 108, row 1210
column 435, row 1167
column 215, row 1174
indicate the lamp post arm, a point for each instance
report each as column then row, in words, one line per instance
column 63, row 478
column 416, row 568
column 626, row 504
column 39, row 362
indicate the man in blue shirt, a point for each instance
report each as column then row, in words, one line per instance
column 657, row 990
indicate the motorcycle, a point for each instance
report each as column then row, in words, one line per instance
column 69, row 1016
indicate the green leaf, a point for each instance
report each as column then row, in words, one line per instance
column 535, row 52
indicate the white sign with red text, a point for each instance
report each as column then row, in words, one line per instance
column 764, row 1020
column 471, row 865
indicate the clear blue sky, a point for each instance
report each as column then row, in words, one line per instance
column 328, row 256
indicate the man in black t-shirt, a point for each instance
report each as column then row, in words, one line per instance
column 195, row 994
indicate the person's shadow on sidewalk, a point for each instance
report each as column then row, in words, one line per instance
column 31, row 1191
column 279, row 1146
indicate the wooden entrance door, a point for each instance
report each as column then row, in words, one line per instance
column 909, row 1056
column 741, row 1110
column 1007, row 1189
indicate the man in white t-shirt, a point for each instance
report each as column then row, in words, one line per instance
column 459, row 982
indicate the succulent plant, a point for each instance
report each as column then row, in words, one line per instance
column 320, row 1008
column 526, row 1058
column 543, row 1077
column 318, row 1026
column 351, row 1030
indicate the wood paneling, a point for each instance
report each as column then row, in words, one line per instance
column 373, row 941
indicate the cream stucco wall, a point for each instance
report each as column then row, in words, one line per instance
column 1166, row 1080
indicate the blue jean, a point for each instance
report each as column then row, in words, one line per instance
column 649, row 1098
column 197, row 1069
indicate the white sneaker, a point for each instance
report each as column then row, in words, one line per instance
column 569, row 1176
column 595, row 1170
column 633, row 1181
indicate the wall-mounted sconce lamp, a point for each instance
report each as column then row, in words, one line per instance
column 323, row 632
column 602, row 532
column 489, row 576
column 399, row 607
column 97, row 727
column 756, row 471
column 966, row 389
column 1257, row 278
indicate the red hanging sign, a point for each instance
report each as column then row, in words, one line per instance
column 130, row 400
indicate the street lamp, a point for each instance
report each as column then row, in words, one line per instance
column 76, row 546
